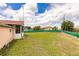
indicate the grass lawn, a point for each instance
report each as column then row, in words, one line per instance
column 44, row 44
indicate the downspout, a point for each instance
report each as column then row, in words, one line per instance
column 14, row 30
column 21, row 31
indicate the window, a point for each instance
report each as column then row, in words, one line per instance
column 10, row 30
column 17, row 28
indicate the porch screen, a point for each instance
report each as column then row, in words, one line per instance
column 17, row 28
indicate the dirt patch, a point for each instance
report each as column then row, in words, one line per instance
column 71, row 39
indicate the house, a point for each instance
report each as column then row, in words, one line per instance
column 47, row 28
column 59, row 28
column 26, row 28
column 10, row 30
column 17, row 27
column 6, row 35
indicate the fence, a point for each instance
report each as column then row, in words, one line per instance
column 68, row 32
column 72, row 33
column 42, row 31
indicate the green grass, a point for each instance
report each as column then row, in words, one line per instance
column 43, row 44
column 42, row 31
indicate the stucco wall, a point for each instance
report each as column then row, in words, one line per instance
column 6, row 36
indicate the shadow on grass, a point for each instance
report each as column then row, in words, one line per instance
column 25, row 35
column 5, row 49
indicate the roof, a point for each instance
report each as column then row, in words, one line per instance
column 11, row 22
column 47, row 27
column 4, row 25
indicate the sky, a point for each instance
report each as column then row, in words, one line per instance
column 43, row 14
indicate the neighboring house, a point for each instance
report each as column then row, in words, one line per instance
column 47, row 28
column 59, row 27
column 26, row 28
column 76, row 29
column 10, row 30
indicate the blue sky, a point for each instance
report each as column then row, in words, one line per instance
column 15, row 6
column 41, row 6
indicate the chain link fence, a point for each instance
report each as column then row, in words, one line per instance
column 68, row 32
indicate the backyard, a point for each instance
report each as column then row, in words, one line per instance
column 43, row 44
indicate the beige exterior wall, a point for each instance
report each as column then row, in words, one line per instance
column 6, row 36
column 48, row 29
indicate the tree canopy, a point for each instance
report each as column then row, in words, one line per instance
column 67, row 25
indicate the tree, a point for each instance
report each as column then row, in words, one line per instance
column 54, row 28
column 36, row 28
column 67, row 25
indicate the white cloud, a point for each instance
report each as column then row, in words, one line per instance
column 56, row 13
column 29, row 13
column 5, row 12
column 50, row 17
